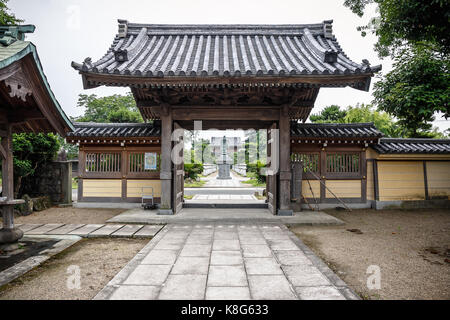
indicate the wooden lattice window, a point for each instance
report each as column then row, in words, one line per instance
column 343, row 163
column 103, row 162
column 137, row 162
column 310, row 161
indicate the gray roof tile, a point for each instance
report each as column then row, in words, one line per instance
column 225, row 50
column 403, row 146
column 114, row 130
column 335, row 130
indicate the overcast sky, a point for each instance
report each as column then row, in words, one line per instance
column 71, row 30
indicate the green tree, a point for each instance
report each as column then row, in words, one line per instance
column 415, row 90
column 415, row 34
column 31, row 151
column 329, row 114
column 382, row 120
column 116, row 109
column 366, row 113
column 7, row 18
column 423, row 22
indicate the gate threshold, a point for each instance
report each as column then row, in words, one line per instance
column 224, row 205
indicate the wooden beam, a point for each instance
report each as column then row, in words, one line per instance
column 129, row 80
column 198, row 113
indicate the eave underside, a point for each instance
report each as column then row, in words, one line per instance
column 24, row 102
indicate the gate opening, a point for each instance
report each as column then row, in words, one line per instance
column 225, row 168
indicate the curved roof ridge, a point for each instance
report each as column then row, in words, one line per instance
column 111, row 124
column 415, row 140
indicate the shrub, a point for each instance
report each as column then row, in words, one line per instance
column 192, row 170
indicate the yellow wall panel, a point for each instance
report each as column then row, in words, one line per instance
column 306, row 190
column 401, row 180
column 344, row 188
column 134, row 187
column 370, row 181
column 438, row 174
column 371, row 154
column 102, row 188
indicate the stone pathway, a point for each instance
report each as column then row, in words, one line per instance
column 226, row 262
column 211, row 197
column 92, row 230
column 236, row 181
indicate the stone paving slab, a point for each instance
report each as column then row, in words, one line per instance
column 85, row 230
column 105, row 231
column 127, row 230
column 99, row 230
column 44, row 229
column 65, row 229
column 148, row 231
column 190, row 262
column 27, row 227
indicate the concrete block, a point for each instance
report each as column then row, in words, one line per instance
column 227, row 276
column 149, row 275
column 160, row 257
column 191, row 265
column 319, row 293
column 184, row 287
column 228, row 293
column 270, row 287
column 135, row 293
column 262, row 266
column 226, row 258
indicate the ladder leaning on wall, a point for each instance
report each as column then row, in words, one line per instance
column 299, row 176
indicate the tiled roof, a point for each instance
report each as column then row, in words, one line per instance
column 13, row 48
column 395, row 145
column 335, row 130
column 112, row 130
column 150, row 50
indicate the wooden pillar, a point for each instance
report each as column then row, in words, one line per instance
column 81, row 171
column 285, row 175
column 297, row 176
column 8, row 234
column 166, row 161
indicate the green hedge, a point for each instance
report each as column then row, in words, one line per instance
column 192, row 170
column 254, row 169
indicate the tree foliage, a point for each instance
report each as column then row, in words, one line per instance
column 415, row 90
column 366, row 113
column 116, row 109
column 7, row 18
column 407, row 21
column 415, row 33
column 31, row 151
column 330, row 114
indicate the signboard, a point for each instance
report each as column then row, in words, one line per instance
column 151, row 162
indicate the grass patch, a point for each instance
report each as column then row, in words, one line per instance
column 188, row 197
column 74, row 183
column 194, row 184
column 255, row 183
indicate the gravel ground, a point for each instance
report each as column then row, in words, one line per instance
column 411, row 247
column 70, row 215
column 99, row 261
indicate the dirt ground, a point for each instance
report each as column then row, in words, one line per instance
column 99, row 260
column 411, row 247
column 69, row 216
